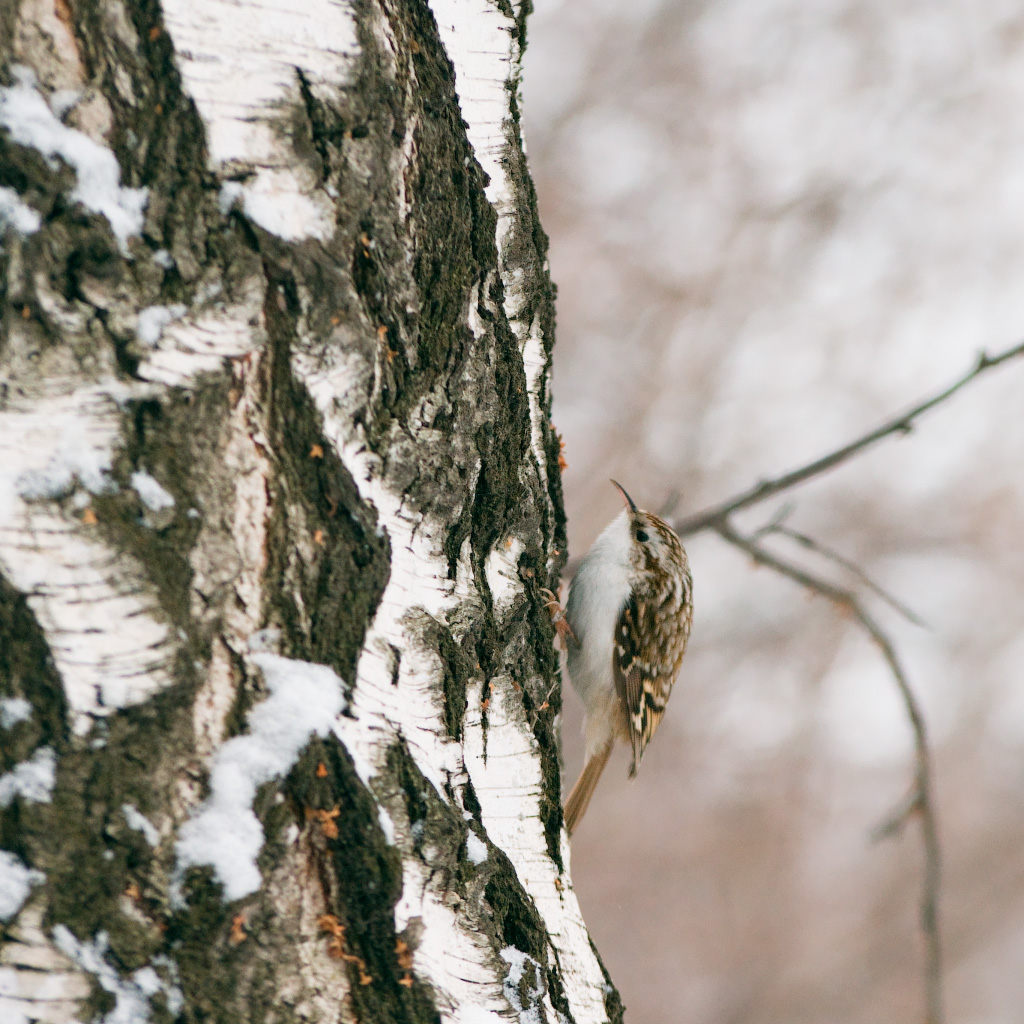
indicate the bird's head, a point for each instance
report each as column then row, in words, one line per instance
column 654, row 546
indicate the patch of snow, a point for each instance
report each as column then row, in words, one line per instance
column 476, row 848
column 30, row 122
column 267, row 640
column 304, row 700
column 16, row 881
column 148, row 981
column 279, row 204
column 54, row 481
column 153, row 320
column 162, row 258
column 152, row 494
column 33, row 780
column 108, row 644
column 231, row 193
column 14, row 710
column 16, row 212
column 75, row 460
column 533, row 1011
column 172, row 989
column 17, row 1015
column 132, row 998
column 138, row 821
column 62, row 100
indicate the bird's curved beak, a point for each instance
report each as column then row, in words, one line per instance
column 628, row 499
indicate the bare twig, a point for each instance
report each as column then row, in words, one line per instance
column 901, row 424
column 782, row 513
column 854, row 570
column 923, row 792
column 892, row 824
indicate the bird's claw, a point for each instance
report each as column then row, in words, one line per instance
column 558, row 619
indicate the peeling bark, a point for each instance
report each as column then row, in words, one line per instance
column 285, row 407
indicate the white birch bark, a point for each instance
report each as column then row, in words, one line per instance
column 278, row 490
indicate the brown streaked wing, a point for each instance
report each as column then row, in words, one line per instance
column 644, row 672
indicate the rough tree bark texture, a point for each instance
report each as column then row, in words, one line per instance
column 274, row 396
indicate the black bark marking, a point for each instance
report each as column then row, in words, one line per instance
column 361, row 875
column 342, row 588
column 27, row 671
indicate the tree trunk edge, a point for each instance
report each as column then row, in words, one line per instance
column 315, row 558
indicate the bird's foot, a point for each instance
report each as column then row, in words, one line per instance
column 558, row 619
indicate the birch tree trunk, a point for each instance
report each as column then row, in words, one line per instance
column 278, row 493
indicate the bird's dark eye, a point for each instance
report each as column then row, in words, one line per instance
column 642, row 537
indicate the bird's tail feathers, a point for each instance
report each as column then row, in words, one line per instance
column 579, row 798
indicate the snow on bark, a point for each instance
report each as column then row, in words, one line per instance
column 30, row 121
column 131, row 995
column 18, row 214
column 109, row 647
column 14, row 710
column 38, row 983
column 108, row 640
column 16, row 881
column 108, row 637
column 138, row 821
column 32, row 780
column 304, row 701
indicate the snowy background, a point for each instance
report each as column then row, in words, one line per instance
column 773, row 224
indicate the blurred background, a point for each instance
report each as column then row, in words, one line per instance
column 773, row 224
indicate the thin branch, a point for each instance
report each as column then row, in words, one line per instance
column 901, row 424
column 843, row 562
column 892, row 824
column 782, row 513
column 924, row 798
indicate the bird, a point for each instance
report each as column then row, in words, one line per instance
column 626, row 625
